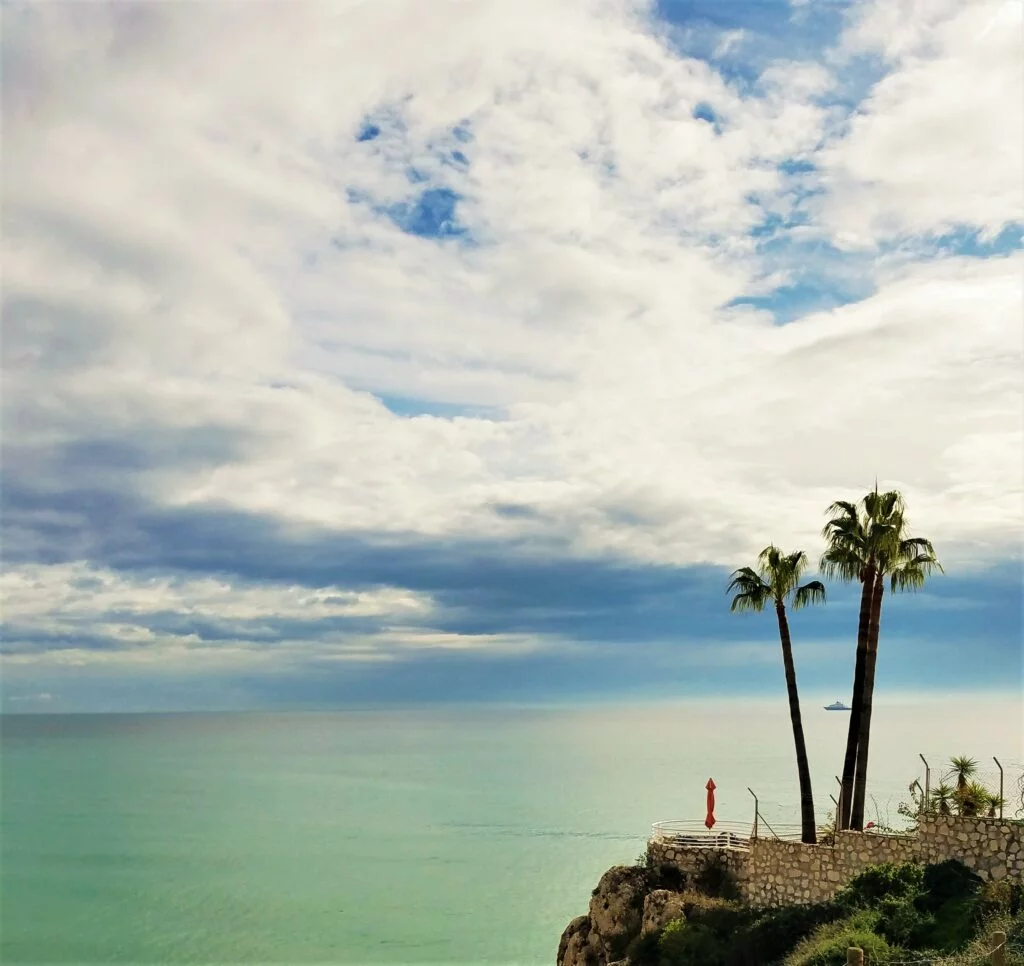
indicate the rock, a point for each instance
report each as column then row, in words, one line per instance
column 616, row 908
column 575, row 948
column 660, row 907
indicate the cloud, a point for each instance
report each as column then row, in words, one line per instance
column 939, row 143
column 348, row 330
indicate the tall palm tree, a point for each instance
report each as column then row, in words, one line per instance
column 776, row 580
column 907, row 562
column 851, row 554
column 869, row 542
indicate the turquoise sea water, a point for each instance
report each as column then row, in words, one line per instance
column 446, row 836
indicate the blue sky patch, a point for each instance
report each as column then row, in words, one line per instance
column 705, row 112
column 368, row 132
column 431, row 215
column 414, row 406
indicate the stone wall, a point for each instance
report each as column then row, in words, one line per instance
column 777, row 873
column 692, row 861
column 786, row 873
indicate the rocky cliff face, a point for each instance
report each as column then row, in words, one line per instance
column 614, row 918
column 629, row 901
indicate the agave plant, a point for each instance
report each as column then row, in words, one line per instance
column 942, row 799
column 963, row 769
column 973, row 799
column 996, row 804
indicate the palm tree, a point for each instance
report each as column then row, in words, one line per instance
column 777, row 580
column 868, row 542
column 850, row 555
column 907, row 562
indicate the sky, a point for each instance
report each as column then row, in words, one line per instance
column 396, row 353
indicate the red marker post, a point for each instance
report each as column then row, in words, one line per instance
column 709, row 822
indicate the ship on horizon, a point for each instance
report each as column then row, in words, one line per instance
column 837, row 705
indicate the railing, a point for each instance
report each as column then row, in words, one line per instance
column 694, row 835
column 724, row 835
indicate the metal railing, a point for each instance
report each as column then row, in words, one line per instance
column 694, row 835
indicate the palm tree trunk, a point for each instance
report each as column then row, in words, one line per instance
column 853, row 733
column 808, row 831
column 864, row 734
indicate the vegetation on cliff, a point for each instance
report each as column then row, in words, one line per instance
column 940, row 914
column 905, row 912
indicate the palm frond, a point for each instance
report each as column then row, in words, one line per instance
column 777, row 578
column 748, row 601
column 841, row 562
column 750, row 588
column 813, row 592
column 910, row 545
column 744, row 579
column 842, row 508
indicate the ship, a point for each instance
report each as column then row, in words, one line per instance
column 837, row 705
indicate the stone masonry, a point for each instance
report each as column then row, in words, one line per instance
column 775, row 873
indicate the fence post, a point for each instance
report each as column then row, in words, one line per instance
column 757, row 813
column 1000, row 767
column 854, row 956
column 998, row 954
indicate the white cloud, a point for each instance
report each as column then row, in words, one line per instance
column 939, row 143
column 180, row 254
column 70, row 593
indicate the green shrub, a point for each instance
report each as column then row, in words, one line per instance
column 952, row 926
column 902, row 923
column 643, row 950
column 698, row 907
column 947, row 881
column 774, row 932
column 690, row 944
column 880, row 882
column 1003, row 898
column 827, row 945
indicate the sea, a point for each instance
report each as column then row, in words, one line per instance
column 462, row 836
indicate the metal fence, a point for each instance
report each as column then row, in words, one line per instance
column 724, row 835
column 694, row 835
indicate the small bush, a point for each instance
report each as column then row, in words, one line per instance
column 881, row 882
column 1003, row 898
column 947, row 881
column 774, row 932
column 902, row 923
column 644, row 950
column 711, row 910
column 690, row 944
column 827, row 945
